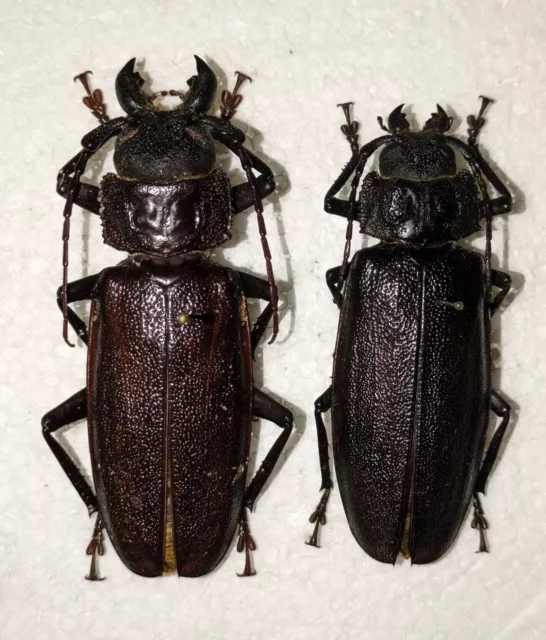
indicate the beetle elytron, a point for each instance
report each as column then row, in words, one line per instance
column 410, row 393
column 169, row 397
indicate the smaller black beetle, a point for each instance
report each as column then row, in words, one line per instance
column 410, row 394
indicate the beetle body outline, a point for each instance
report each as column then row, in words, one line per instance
column 410, row 394
column 169, row 396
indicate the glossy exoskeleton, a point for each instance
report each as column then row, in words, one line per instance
column 169, row 398
column 411, row 393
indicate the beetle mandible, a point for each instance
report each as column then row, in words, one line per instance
column 169, row 397
column 411, row 393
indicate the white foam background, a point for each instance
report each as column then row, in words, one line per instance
column 304, row 57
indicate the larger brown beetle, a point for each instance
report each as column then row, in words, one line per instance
column 169, row 397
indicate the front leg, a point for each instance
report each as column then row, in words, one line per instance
column 242, row 195
column 336, row 205
column 86, row 195
column 357, row 163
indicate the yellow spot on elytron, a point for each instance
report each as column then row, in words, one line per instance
column 238, row 473
column 183, row 319
column 244, row 312
column 458, row 306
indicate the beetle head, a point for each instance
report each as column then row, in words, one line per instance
column 164, row 145
column 417, row 155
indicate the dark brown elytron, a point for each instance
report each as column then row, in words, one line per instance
column 411, row 387
column 169, row 398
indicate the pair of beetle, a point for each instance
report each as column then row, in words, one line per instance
column 169, row 397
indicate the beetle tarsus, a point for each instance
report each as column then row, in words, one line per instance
column 246, row 543
column 479, row 522
column 94, row 548
column 318, row 517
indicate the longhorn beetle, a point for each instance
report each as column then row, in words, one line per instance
column 169, row 397
column 411, row 392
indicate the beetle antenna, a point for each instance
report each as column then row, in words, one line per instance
column 479, row 522
column 67, row 213
column 230, row 102
column 94, row 100
column 259, row 208
column 350, row 131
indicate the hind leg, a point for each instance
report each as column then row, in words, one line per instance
column 318, row 517
column 502, row 409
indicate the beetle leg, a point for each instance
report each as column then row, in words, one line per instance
column 503, row 203
column 78, row 290
column 86, row 196
column 503, row 281
column 332, row 280
column 246, row 543
column 242, row 195
column 322, row 404
column 254, row 287
column 71, row 410
column 479, row 522
column 95, row 547
column 265, row 407
column 262, row 407
column 502, row 409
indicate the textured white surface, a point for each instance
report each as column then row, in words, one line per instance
column 304, row 57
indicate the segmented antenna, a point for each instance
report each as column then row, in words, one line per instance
column 230, row 102
column 95, row 103
column 94, row 100
column 350, row 131
column 258, row 206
